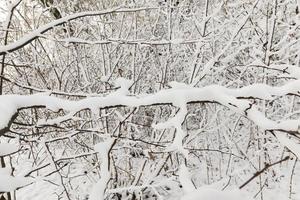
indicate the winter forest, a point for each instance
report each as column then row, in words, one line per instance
column 149, row 99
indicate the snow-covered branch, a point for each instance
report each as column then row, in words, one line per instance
column 234, row 99
column 29, row 37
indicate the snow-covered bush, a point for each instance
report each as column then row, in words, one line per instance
column 158, row 99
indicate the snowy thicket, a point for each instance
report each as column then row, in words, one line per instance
column 158, row 99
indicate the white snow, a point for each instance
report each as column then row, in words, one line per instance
column 7, row 109
column 124, row 85
column 98, row 189
column 208, row 135
column 185, row 179
column 206, row 193
column 37, row 32
column 9, row 104
column 289, row 143
column 9, row 183
column 6, row 149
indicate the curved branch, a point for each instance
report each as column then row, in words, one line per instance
column 29, row 37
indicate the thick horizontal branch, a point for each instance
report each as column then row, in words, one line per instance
column 177, row 96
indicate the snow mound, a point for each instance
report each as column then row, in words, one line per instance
column 205, row 193
column 6, row 149
column 9, row 183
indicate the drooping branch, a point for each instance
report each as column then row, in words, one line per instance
column 29, row 37
column 11, row 120
column 8, row 120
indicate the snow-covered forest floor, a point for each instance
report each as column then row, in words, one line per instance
column 149, row 100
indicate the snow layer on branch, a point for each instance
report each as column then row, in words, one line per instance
column 98, row 189
column 37, row 32
column 124, row 85
column 207, row 192
column 9, row 183
column 6, row 149
column 185, row 179
column 290, row 144
column 7, row 109
column 9, row 104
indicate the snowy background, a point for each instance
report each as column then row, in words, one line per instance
column 158, row 99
